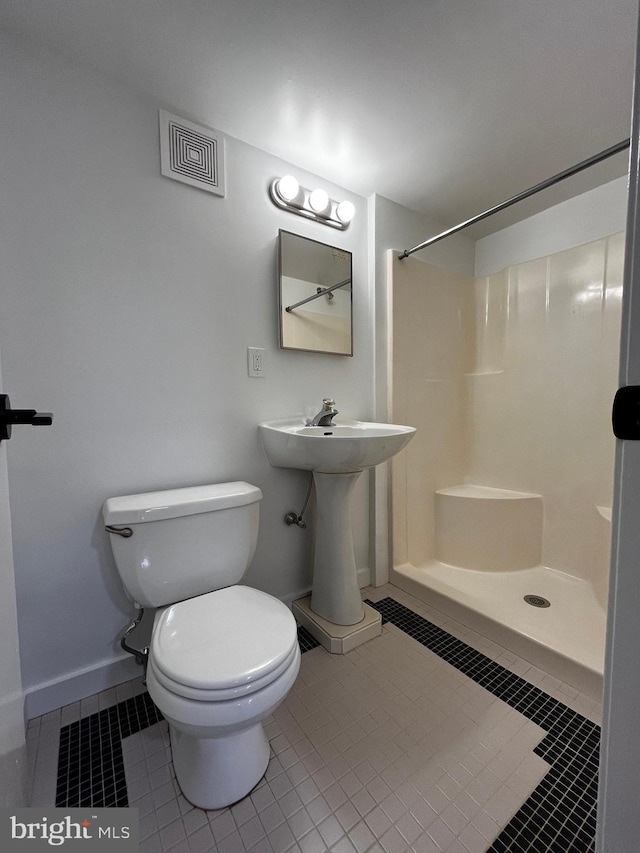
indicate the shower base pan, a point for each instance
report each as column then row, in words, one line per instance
column 566, row 639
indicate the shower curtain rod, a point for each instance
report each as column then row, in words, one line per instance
column 572, row 170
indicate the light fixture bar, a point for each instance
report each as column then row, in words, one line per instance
column 312, row 204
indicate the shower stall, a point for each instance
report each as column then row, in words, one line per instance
column 501, row 505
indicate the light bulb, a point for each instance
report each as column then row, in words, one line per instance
column 319, row 200
column 288, row 188
column 345, row 212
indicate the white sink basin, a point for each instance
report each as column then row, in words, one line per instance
column 346, row 447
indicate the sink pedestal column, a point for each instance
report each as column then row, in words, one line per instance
column 335, row 594
column 335, row 614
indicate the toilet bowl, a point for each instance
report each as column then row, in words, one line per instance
column 221, row 660
column 218, row 665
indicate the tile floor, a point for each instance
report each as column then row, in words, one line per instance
column 426, row 739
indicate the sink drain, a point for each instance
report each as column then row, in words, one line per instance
column 537, row 601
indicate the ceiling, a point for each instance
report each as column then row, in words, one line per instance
column 445, row 106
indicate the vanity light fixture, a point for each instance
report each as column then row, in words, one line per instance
column 287, row 194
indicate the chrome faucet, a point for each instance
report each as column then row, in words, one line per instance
column 326, row 414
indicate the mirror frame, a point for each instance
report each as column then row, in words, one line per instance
column 282, row 307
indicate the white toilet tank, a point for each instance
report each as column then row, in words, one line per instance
column 185, row 542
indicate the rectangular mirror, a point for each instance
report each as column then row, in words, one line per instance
column 315, row 296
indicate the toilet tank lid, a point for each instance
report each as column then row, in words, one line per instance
column 173, row 503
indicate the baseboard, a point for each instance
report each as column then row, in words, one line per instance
column 51, row 695
column 14, row 791
column 13, row 751
column 12, row 721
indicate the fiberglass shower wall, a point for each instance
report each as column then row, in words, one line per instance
column 509, row 380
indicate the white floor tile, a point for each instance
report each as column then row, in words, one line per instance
column 387, row 748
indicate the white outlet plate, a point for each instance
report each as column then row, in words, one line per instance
column 256, row 362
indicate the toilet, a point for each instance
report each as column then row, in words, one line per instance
column 222, row 656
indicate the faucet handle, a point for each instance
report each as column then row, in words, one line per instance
column 328, row 403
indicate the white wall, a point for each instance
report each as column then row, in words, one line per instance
column 432, row 335
column 128, row 302
column 548, row 332
column 582, row 219
column 393, row 227
column 396, row 227
column 13, row 767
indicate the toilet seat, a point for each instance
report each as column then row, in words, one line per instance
column 231, row 693
column 223, row 645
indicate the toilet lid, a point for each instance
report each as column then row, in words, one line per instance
column 224, row 639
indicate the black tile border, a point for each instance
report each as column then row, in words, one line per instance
column 560, row 815
column 307, row 642
column 90, row 761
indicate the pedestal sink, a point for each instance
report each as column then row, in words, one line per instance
column 337, row 455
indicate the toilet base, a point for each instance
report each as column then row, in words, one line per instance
column 216, row 772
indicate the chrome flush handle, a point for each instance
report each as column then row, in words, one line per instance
column 125, row 532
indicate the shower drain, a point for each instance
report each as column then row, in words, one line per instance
column 537, row 601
